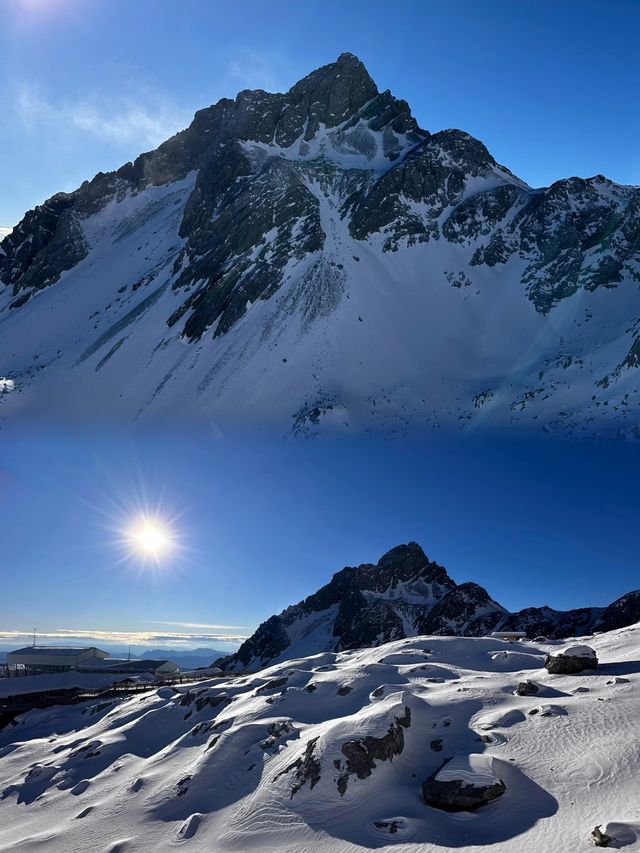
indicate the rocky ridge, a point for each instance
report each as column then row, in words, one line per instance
column 404, row 595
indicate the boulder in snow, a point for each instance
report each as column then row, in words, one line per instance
column 527, row 688
column 600, row 838
column 463, row 783
column 572, row 660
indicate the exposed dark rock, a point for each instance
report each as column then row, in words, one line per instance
column 272, row 684
column 553, row 624
column 458, row 794
column 567, row 663
column 600, row 838
column 457, row 612
column 527, row 688
column 361, row 754
column 307, row 769
column 274, row 732
column 391, row 826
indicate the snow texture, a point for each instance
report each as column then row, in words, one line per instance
column 288, row 760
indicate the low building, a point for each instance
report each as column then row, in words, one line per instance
column 125, row 666
column 39, row 659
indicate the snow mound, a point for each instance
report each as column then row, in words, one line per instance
column 579, row 652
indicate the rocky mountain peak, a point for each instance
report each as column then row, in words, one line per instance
column 333, row 93
column 405, row 594
column 410, row 555
column 256, row 235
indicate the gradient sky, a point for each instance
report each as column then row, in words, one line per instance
column 551, row 87
column 262, row 525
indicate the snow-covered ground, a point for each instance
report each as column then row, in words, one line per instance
column 282, row 761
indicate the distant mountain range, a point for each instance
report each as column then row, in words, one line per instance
column 317, row 262
column 191, row 659
column 404, row 595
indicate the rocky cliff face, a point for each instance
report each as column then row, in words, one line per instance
column 281, row 233
column 404, row 595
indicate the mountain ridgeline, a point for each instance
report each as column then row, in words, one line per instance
column 232, row 272
column 405, row 595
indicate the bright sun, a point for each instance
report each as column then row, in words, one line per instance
column 151, row 538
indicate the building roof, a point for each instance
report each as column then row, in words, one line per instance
column 54, row 650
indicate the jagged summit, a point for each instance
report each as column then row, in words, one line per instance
column 230, row 275
column 333, row 93
column 403, row 595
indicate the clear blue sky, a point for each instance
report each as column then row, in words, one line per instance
column 551, row 87
column 264, row 524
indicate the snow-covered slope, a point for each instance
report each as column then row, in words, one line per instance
column 328, row 753
column 315, row 262
column 402, row 595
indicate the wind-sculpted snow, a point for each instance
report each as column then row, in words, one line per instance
column 329, row 752
column 326, row 266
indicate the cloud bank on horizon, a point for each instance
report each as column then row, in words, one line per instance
column 140, row 638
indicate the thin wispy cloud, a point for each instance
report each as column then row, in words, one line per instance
column 145, row 118
column 200, row 625
column 249, row 69
column 142, row 638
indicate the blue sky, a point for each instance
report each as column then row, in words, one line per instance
column 551, row 87
column 262, row 525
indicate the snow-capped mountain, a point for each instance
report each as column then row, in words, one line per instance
column 330, row 753
column 315, row 261
column 406, row 595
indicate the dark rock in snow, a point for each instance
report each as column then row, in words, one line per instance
column 573, row 660
column 362, row 754
column 527, row 688
column 307, row 769
column 600, row 838
column 461, row 794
